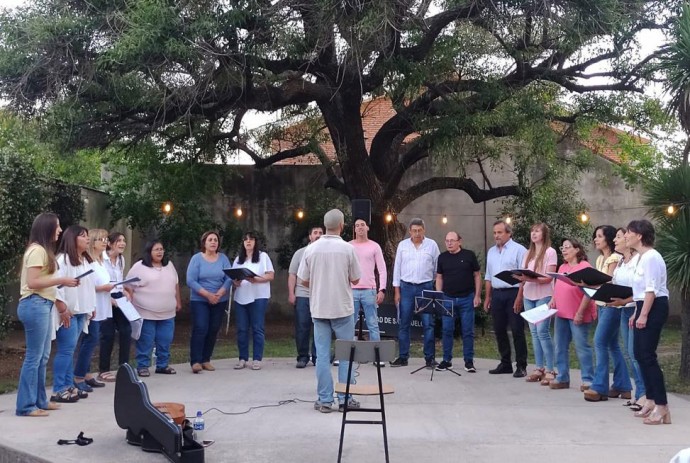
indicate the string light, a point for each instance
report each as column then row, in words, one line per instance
column 389, row 217
column 167, row 207
column 238, row 212
column 671, row 210
column 300, row 214
column 584, row 217
column 444, row 220
column 508, row 220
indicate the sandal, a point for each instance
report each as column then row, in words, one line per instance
column 166, row 370
column 536, row 376
column 143, row 372
column 65, row 397
column 548, row 377
column 635, row 407
column 106, row 377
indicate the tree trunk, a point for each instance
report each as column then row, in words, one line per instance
column 685, row 337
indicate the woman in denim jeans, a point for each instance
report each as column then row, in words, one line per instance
column 76, row 306
column 541, row 258
column 606, row 343
column 576, row 312
column 251, row 300
column 37, row 295
column 623, row 275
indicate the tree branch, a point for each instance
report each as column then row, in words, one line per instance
column 467, row 185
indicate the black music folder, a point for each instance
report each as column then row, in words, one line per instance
column 239, row 273
column 608, row 291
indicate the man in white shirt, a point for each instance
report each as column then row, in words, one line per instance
column 328, row 269
column 501, row 299
column 413, row 272
column 298, row 295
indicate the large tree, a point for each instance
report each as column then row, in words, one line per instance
column 472, row 81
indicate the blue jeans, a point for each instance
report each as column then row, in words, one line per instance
column 251, row 315
column 366, row 299
column 65, row 343
column 303, row 330
column 34, row 313
column 159, row 333
column 605, row 344
column 89, row 341
column 206, row 321
column 343, row 328
column 629, row 351
column 541, row 336
column 463, row 308
column 408, row 292
column 566, row 331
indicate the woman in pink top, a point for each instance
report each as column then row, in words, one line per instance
column 156, row 296
column 576, row 312
column 541, row 258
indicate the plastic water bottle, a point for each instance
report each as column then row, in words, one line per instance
column 199, row 426
column 153, row 358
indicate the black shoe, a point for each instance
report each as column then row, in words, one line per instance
column 301, row 364
column 431, row 363
column 444, row 366
column 520, row 372
column 501, row 369
column 469, row 366
column 399, row 362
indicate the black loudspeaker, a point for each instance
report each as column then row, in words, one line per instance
column 361, row 209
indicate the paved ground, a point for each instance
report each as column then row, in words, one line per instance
column 475, row 418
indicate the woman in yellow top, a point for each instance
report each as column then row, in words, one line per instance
column 38, row 282
column 608, row 328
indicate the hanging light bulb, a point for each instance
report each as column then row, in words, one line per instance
column 238, row 211
column 444, row 220
column 671, row 210
column 167, row 207
column 584, row 217
column 509, row 220
column 300, row 214
column 389, row 217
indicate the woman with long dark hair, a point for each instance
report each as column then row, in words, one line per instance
column 156, row 296
column 79, row 306
column 606, row 335
column 209, row 291
column 651, row 297
column 251, row 299
column 38, row 283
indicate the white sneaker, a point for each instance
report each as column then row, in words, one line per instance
column 256, row 365
column 241, row 364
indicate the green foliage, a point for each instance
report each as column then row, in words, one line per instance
column 675, row 63
column 142, row 181
column 24, row 195
column 673, row 230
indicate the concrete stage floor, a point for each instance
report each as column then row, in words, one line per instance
column 474, row 418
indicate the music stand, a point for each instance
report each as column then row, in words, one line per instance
column 433, row 303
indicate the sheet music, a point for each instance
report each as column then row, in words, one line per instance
column 538, row 314
column 124, row 282
column 128, row 309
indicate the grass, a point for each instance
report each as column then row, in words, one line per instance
column 280, row 344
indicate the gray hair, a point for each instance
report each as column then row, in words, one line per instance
column 333, row 219
column 507, row 226
column 417, row 221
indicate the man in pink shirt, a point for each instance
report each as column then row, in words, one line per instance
column 368, row 294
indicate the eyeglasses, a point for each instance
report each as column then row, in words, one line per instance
column 451, row 241
column 103, row 240
column 563, row 248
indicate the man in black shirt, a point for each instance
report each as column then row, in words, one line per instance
column 458, row 276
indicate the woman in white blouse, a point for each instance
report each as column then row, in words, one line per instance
column 75, row 307
column 83, row 380
column 623, row 275
column 251, row 300
column 651, row 297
